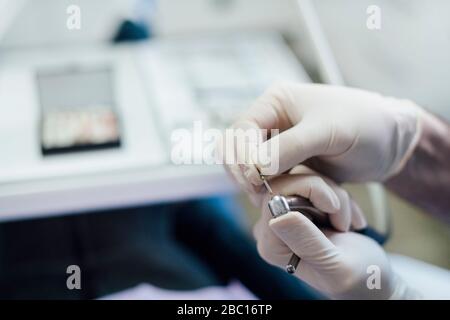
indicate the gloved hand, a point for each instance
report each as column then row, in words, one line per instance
column 347, row 134
column 340, row 265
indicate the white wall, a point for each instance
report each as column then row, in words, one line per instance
column 408, row 57
column 43, row 22
column 181, row 16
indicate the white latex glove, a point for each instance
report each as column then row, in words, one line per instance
column 347, row 134
column 337, row 264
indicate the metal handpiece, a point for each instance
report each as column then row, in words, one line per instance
column 280, row 205
column 304, row 206
column 293, row 263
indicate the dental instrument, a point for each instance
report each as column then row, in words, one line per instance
column 280, row 205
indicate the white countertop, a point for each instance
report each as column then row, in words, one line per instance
column 139, row 172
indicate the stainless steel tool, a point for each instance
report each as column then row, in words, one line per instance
column 280, row 205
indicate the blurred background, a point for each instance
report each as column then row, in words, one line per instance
column 91, row 90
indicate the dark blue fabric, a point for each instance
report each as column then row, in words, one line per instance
column 115, row 249
column 180, row 246
column 131, row 31
column 210, row 230
column 374, row 234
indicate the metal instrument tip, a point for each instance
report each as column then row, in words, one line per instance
column 264, row 180
column 266, row 184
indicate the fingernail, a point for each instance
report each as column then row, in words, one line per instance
column 360, row 223
column 335, row 202
column 252, row 175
